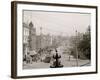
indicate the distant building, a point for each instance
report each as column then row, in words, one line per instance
column 38, row 42
column 55, row 41
column 43, row 41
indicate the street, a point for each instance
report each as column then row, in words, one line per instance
column 64, row 61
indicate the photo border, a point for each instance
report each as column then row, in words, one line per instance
column 14, row 37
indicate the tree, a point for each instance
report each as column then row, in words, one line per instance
column 85, row 44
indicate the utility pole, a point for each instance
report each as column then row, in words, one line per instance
column 76, row 50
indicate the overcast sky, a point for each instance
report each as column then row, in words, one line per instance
column 57, row 23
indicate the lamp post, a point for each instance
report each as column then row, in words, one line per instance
column 76, row 50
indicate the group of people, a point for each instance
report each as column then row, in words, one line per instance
column 41, row 54
column 34, row 56
column 31, row 58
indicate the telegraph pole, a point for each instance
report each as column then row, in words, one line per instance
column 76, row 50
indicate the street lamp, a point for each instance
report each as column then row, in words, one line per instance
column 76, row 50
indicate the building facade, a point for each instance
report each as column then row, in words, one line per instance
column 25, row 39
column 32, row 37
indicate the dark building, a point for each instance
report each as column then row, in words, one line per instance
column 32, row 37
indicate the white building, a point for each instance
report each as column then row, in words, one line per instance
column 25, row 39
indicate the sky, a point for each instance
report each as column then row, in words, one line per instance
column 57, row 23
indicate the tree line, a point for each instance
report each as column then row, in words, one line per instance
column 82, row 43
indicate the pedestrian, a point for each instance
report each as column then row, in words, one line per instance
column 28, row 58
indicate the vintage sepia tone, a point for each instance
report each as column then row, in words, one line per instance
column 51, row 39
column 56, row 39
